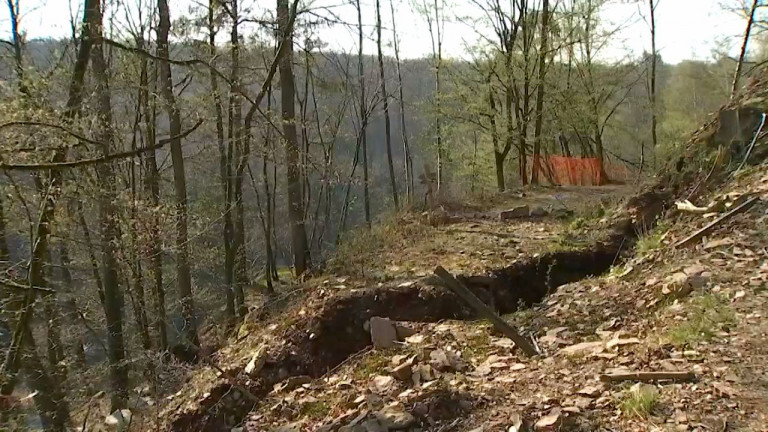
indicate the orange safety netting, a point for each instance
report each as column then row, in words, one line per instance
column 564, row 170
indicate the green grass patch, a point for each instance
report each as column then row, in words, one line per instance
column 652, row 239
column 640, row 401
column 316, row 410
column 478, row 341
column 706, row 315
column 375, row 363
column 359, row 250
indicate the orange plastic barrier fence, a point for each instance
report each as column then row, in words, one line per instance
column 564, row 170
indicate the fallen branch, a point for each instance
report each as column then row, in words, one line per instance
column 700, row 233
column 648, row 376
column 462, row 291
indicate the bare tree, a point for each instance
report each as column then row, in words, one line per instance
column 239, row 157
column 225, row 168
column 407, row 159
column 743, row 51
column 183, row 276
column 540, row 92
column 435, row 24
column 363, row 132
column 110, row 232
column 299, row 244
column 385, row 100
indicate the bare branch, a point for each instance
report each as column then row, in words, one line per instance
column 103, row 159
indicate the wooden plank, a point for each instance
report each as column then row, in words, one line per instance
column 700, row 233
column 504, row 327
column 648, row 376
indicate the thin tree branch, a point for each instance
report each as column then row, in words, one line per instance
column 95, row 161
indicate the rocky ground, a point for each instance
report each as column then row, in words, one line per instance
column 695, row 310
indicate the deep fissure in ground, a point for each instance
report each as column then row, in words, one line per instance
column 337, row 331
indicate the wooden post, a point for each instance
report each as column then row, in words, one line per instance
column 462, row 291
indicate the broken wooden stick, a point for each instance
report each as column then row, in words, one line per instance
column 700, row 233
column 468, row 296
column 648, row 376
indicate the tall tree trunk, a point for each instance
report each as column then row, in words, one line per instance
column 13, row 10
column 498, row 154
column 267, row 219
column 407, row 159
column 385, row 99
column 540, row 93
column 110, row 234
column 183, row 274
column 363, row 114
column 299, row 245
column 50, row 401
column 438, row 57
column 240, row 159
column 654, row 59
column 152, row 189
column 509, row 113
column 743, row 51
column 137, row 275
column 225, row 163
column 74, row 338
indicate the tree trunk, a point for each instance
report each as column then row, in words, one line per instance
column 240, row 158
column 363, row 114
column 540, row 93
column 438, row 96
column 183, row 276
column 225, row 163
column 299, row 245
column 51, row 404
column 152, row 189
column 743, row 51
column 385, row 99
column 75, row 339
column 137, row 275
column 4, row 252
column 499, row 160
column 407, row 159
column 499, row 156
column 654, row 59
column 110, row 234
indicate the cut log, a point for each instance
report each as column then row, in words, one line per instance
column 648, row 376
column 700, row 233
column 486, row 312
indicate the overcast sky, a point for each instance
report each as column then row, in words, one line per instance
column 686, row 29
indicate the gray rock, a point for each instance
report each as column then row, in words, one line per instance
column 373, row 425
column 538, row 211
column 383, row 333
column 395, row 418
column 518, row 212
column 120, row 419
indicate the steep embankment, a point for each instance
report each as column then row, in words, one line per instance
column 692, row 310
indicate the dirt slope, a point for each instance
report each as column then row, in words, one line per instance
column 611, row 295
column 698, row 309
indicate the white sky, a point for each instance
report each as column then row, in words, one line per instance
column 686, row 29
